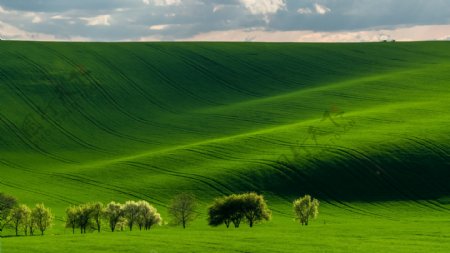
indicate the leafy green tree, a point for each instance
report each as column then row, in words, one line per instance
column 254, row 208
column 42, row 217
column 306, row 208
column 20, row 216
column 249, row 207
column 148, row 215
column 131, row 213
column 217, row 215
column 72, row 218
column 97, row 214
column 183, row 209
column 7, row 203
column 113, row 213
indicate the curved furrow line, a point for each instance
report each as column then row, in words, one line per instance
column 108, row 130
column 328, row 196
column 394, row 184
column 441, row 152
column 211, row 75
column 53, row 196
column 292, row 84
column 354, row 97
column 198, row 177
column 33, row 146
column 44, row 115
column 133, row 84
column 182, row 175
column 174, row 85
column 95, row 83
column 83, row 180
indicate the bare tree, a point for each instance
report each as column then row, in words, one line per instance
column 182, row 209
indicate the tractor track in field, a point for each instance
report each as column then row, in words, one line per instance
column 33, row 146
column 172, row 84
column 44, row 115
column 190, row 176
column 206, row 72
column 92, row 81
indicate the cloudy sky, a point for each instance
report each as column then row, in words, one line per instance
column 225, row 20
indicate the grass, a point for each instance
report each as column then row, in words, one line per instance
column 116, row 121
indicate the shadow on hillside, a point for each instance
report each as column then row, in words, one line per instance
column 350, row 175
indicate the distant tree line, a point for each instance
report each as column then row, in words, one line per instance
column 249, row 208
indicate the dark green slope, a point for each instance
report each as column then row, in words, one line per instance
column 84, row 121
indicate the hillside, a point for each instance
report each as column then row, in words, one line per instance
column 346, row 122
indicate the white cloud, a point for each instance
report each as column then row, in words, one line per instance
column 217, row 8
column 11, row 32
column 321, row 9
column 159, row 27
column 36, row 20
column 263, row 7
column 59, row 17
column 101, row 20
column 414, row 33
column 305, row 11
column 162, row 2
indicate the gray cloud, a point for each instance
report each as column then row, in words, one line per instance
column 176, row 19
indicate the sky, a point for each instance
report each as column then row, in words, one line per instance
column 225, row 20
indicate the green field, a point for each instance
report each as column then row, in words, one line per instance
column 365, row 127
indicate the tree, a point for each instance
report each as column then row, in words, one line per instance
column 97, row 214
column 306, row 208
column 148, row 215
column 42, row 217
column 20, row 216
column 217, row 215
column 72, row 218
column 254, row 208
column 131, row 213
column 182, row 209
column 84, row 213
column 113, row 212
column 7, row 203
column 235, row 208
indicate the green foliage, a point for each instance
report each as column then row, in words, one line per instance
column 113, row 213
column 7, row 203
column 42, row 217
column 306, row 208
column 20, row 216
column 234, row 208
column 148, row 215
column 183, row 209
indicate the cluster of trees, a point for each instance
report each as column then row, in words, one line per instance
column 131, row 213
column 248, row 207
column 21, row 217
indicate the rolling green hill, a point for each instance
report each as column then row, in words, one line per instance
column 362, row 126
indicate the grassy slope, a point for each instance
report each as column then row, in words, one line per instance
column 88, row 121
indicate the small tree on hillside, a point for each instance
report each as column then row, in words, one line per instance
column 7, row 203
column 148, row 215
column 84, row 215
column 20, row 216
column 72, row 218
column 254, row 208
column 306, row 208
column 42, row 217
column 217, row 215
column 182, row 209
column 97, row 214
column 113, row 213
column 131, row 213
